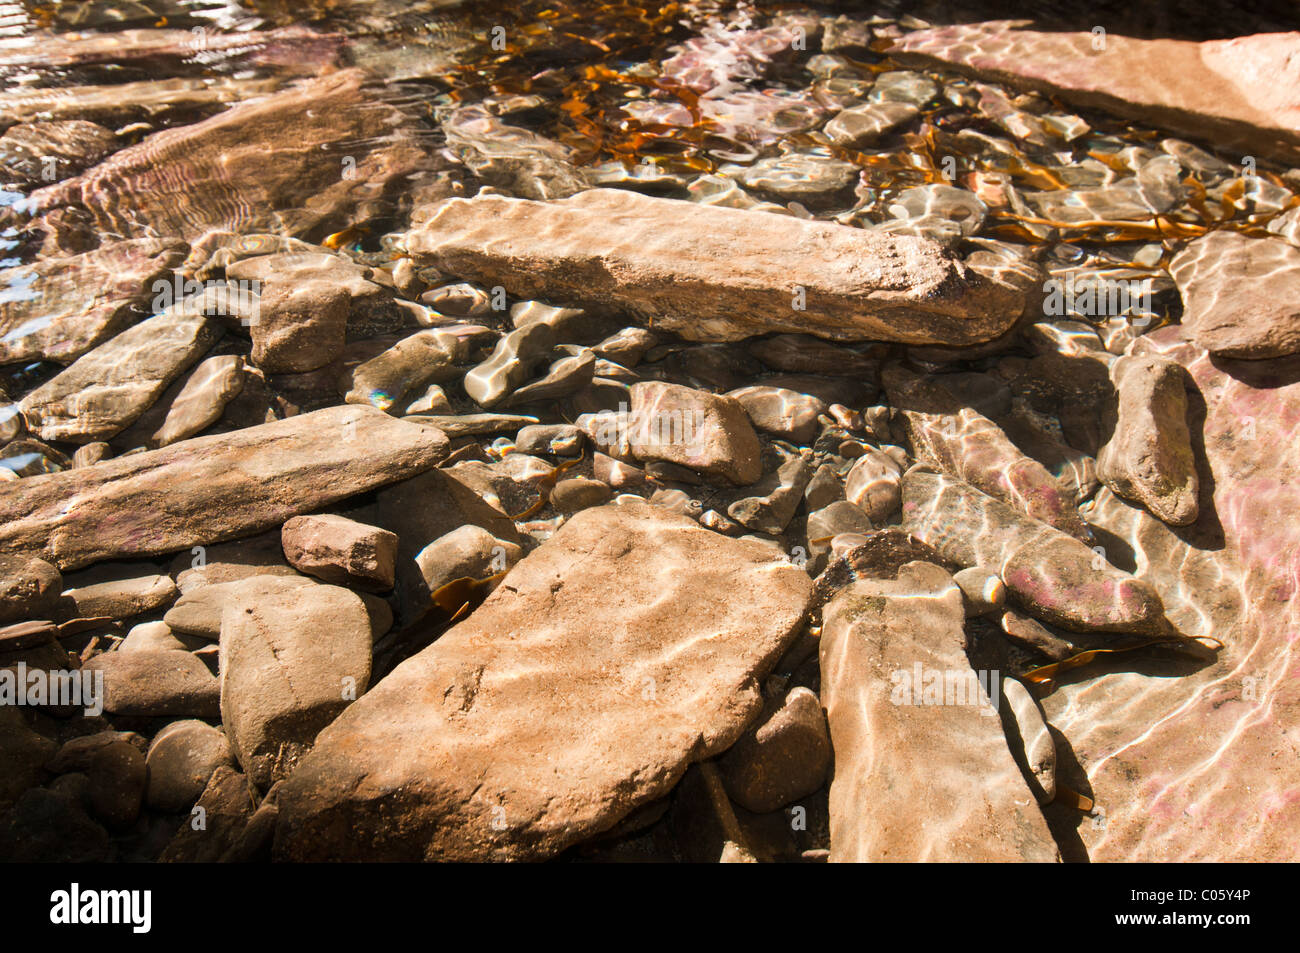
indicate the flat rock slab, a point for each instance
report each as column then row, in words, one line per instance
column 1241, row 296
column 1241, row 93
column 274, row 164
column 107, row 389
column 918, row 777
column 211, row 489
column 712, row 273
column 626, row 647
column 60, row 308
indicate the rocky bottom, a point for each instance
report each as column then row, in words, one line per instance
column 762, row 436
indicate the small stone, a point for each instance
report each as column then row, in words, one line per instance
column 394, row 377
column 784, row 413
column 1030, row 740
column 462, row 300
column 695, row 429
column 862, row 126
column 616, row 473
column 341, row 551
column 570, row 496
column 511, row 363
column 874, row 483
column 299, row 327
column 468, row 552
column 777, row 495
column 823, row 489
column 29, row 588
column 561, row 440
column 783, row 758
column 206, row 392
column 181, row 761
column 982, row 590
column 627, row 346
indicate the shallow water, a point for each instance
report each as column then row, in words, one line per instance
column 723, row 104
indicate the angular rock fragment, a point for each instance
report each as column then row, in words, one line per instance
column 693, row 429
column 1055, row 576
column 393, row 377
column 29, row 588
column 511, row 363
column 1149, row 458
column 782, row 412
column 777, row 495
column 781, row 759
column 341, row 551
column 473, row 750
column 211, row 489
column 715, row 274
column 290, row 662
column 911, row 724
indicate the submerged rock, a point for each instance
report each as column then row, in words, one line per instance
column 911, row 724
column 485, row 747
column 1055, row 576
column 1149, row 458
column 59, row 308
column 715, row 274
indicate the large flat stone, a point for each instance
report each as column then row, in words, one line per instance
column 274, row 164
column 1241, row 93
column 57, row 309
column 715, row 274
column 919, row 776
column 626, row 647
column 211, row 489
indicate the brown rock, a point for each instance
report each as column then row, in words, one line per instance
column 515, row 747
column 210, row 489
column 181, row 760
column 162, row 683
column 918, row 778
column 1239, row 93
column 694, row 429
column 677, row 263
column 341, row 551
column 1240, row 294
column 83, row 300
column 1149, row 458
column 290, row 662
column 29, row 588
column 783, row 758
column 117, row 780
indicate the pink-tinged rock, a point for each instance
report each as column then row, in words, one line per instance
column 1241, row 296
column 74, row 303
column 715, row 274
column 1201, row 767
column 1242, row 93
column 919, row 775
column 626, row 647
column 964, row 443
column 1056, row 577
column 211, row 489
